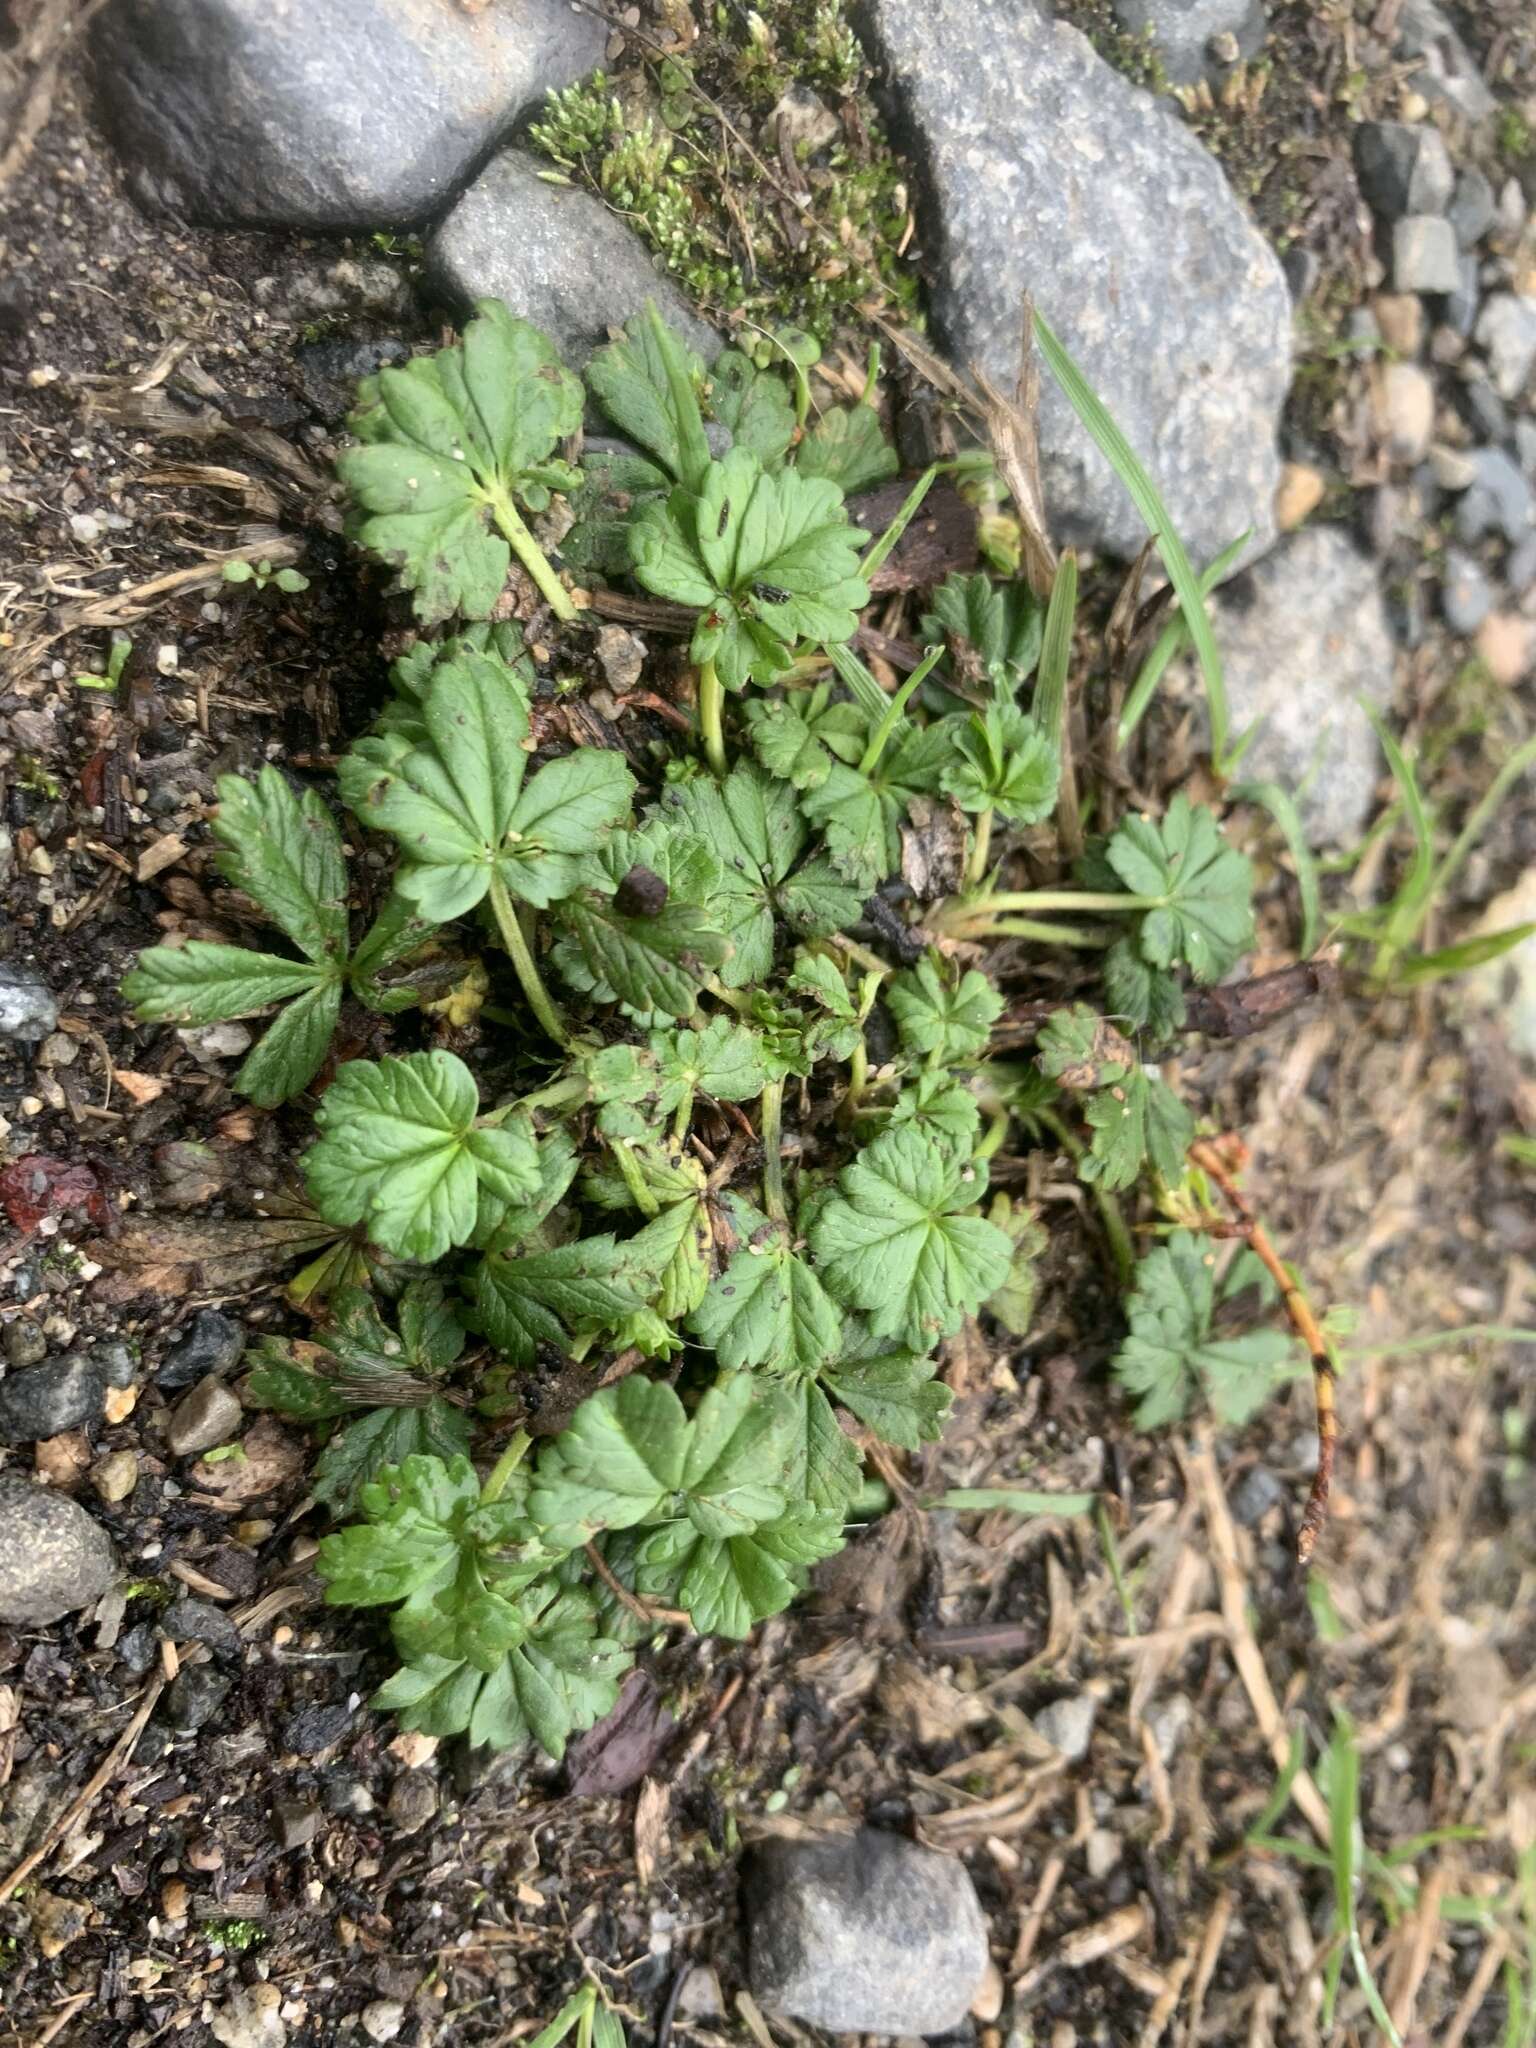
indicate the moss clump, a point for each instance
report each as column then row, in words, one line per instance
column 687, row 148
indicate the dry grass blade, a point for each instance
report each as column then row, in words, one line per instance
column 29, row 75
column 89, row 1792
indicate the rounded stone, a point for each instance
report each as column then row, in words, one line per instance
column 54, row 1558
column 864, row 1933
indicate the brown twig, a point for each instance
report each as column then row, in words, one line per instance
column 1217, row 1159
column 92, row 1789
column 641, row 1609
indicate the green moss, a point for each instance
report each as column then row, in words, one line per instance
column 1515, row 137
column 1135, row 57
column 235, row 1936
column 709, row 194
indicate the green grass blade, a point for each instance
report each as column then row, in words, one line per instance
column 1458, row 959
column 862, row 687
column 1482, row 814
column 1270, row 796
column 1144, row 496
column 1410, row 906
column 1280, row 1798
column 1170, row 643
column 1017, row 1499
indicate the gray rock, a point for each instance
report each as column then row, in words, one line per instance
column 1525, row 445
column 1183, row 32
column 1461, row 305
column 53, row 1557
column 1041, row 169
column 556, row 255
column 1485, row 411
column 1447, row 69
column 313, row 1729
column 412, row 1802
column 1424, row 254
column 1303, row 635
column 24, row 1342
column 1506, row 333
column 1067, row 1724
column 1403, row 167
column 296, row 1823
column 1474, row 209
column 382, row 2019
column 209, row 1415
column 27, row 1011
column 863, row 1933
column 211, row 1343
column 334, row 114
column 198, row 1621
column 194, row 1696
column 1520, row 569
column 1258, row 1492
column 1465, row 596
column 61, row 1393
column 1498, row 501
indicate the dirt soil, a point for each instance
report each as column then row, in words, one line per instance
column 169, row 398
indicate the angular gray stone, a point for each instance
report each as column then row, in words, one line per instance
column 1447, row 69
column 1403, row 167
column 27, row 1011
column 210, row 1343
column 1067, row 1724
column 209, row 1415
column 53, row 1557
column 1497, row 501
column 1424, row 254
column 557, row 256
column 329, row 113
column 1183, row 32
column 1040, row 169
column 1506, row 333
column 864, row 1933
column 1474, row 209
column 1302, row 635
column 60, row 1393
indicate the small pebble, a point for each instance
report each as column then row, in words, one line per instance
column 85, row 526
column 1067, row 1724
column 412, row 1801
column 1465, row 596
column 383, row 2019
column 1405, row 411
column 295, row 1822
column 1520, row 569
column 206, row 1417
column 1473, row 209
column 116, row 1475
column 1424, row 255
column 1506, row 333
column 1506, row 645
column 1300, row 492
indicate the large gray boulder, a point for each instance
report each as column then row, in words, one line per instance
column 1305, row 645
column 863, row 1933
column 558, row 257
column 324, row 113
column 1042, row 170
column 53, row 1557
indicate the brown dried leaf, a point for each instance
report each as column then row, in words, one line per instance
column 651, row 1836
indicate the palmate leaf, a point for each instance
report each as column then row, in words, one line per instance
column 755, row 405
column 1141, row 997
column 528, row 1298
column 892, row 1244
column 825, row 1470
column 449, row 440
column 847, row 446
column 622, row 1455
column 797, row 738
column 1137, row 1122
column 1003, row 762
column 1171, row 1358
column 862, row 814
column 648, row 384
column 951, row 1023
column 764, row 559
column 896, row 1395
column 652, row 961
column 739, row 1448
column 999, row 627
column 560, row 1678
column 722, row 1059
column 752, row 826
column 411, row 1543
column 768, row 1307
column 400, row 1152
column 284, row 851
column 459, row 806
column 368, row 1444
column 730, row 1584
column 1206, row 917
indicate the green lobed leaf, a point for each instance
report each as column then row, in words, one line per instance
column 995, row 629
column 445, row 440
column 619, row 1459
column 653, row 962
column 722, row 1058
column 285, row 853
column 848, row 447
column 400, row 1152
column 1171, row 1358
column 528, row 1298
column 1205, row 918
column 648, row 385
column 739, row 1446
column 950, row 1023
column 892, row 1243
column 768, row 1307
column 896, row 1395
